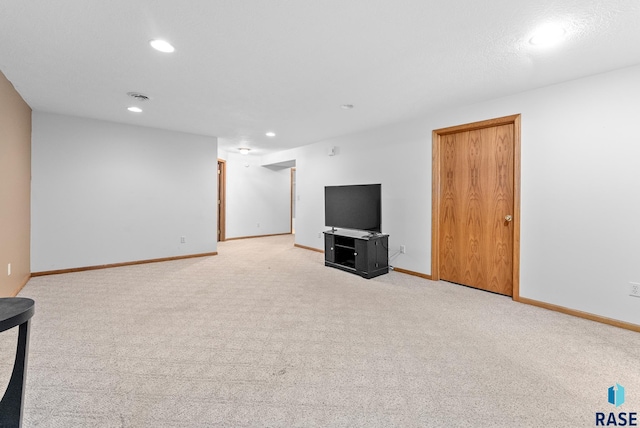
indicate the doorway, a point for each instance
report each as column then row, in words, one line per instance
column 293, row 200
column 476, row 205
column 222, row 195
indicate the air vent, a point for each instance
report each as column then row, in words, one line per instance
column 138, row 96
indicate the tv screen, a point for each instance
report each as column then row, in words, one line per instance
column 353, row 207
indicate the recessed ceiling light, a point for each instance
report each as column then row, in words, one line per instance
column 162, row 45
column 346, row 106
column 548, row 35
column 244, row 150
column 270, row 134
column 135, row 109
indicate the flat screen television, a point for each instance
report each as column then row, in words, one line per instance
column 353, row 207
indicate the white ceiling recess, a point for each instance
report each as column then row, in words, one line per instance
column 243, row 68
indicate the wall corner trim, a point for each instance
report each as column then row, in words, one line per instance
column 112, row 265
column 256, row 236
column 304, row 247
column 23, row 283
column 412, row 273
column 580, row 314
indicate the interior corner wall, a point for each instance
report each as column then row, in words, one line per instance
column 258, row 198
column 105, row 193
column 15, row 188
column 579, row 184
column 390, row 156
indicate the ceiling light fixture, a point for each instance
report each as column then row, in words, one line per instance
column 548, row 35
column 270, row 134
column 244, row 150
column 135, row 109
column 162, row 45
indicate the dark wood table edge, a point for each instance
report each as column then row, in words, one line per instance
column 11, row 405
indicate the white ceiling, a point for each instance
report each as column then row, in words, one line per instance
column 244, row 67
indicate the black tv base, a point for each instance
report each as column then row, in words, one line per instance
column 357, row 252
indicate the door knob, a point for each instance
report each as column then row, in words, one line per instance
column 508, row 218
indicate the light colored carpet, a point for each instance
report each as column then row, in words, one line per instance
column 265, row 335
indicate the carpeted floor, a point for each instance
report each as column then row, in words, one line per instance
column 264, row 335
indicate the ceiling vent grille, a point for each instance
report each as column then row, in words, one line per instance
column 138, row 96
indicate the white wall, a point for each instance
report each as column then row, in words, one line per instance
column 580, row 185
column 108, row 193
column 258, row 197
column 390, row 156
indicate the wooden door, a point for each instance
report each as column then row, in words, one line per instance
column 221, row 199
column 476, row 205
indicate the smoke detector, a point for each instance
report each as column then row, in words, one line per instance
column 138, row 96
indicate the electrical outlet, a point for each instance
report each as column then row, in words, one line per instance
column 258, row 224
column 183, row 239
column 634, row 289
column 403, row 249
column 319, row 234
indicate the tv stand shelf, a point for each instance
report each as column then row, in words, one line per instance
column 357, row 252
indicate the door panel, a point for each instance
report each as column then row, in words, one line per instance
column 329, row 253
column 362, row 258
column 476, row 195
column 222, row 174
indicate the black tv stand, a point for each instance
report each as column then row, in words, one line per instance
column 363, row 253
